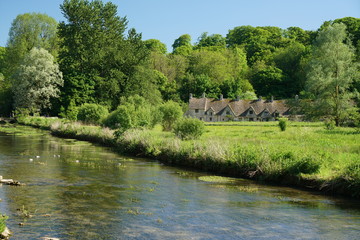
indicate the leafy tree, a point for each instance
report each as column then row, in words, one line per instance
column 171, row 112
column 141, row 111
column 36, row 81
column 97, row 59
column 5, row 86
column 299, row 35
column 268, row 81
column 259, row 42
column 214, row 40
column 155, row 45
column 290, row 61
column 331, row 72
column 182, row 45
column 92, row 113
column 27, row 31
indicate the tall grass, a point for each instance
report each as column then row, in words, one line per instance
column 304, row 155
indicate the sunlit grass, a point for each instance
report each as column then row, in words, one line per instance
column 248, row 149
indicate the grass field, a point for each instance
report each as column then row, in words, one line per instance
column 305, row 154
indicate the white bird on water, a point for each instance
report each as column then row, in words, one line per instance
column 77, row 161
column 37, row 156
column 31, row 159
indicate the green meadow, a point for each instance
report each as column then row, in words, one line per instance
column 305, row 155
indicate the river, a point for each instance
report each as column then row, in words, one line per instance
column 78, row 190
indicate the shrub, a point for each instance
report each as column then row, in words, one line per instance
column 282, row 124
column 171, row 112
column 118, row 119
column 329, row 124
column 189, row 128
column 92, row 113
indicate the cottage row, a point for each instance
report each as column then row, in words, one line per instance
column 218, row 110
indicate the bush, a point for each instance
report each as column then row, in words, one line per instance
column 189, row 128
column 282, row 124
column 329, row 124
column 92, row 113
column 118, row 119
column 171, row 112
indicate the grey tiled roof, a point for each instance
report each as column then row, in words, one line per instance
column 239, row 107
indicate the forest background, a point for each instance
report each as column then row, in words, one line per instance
column 94, row 58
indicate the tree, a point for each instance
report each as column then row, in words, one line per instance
column 155, row 45
column 95, row 57
column 290, row 61
column 27, row 31
column 171, row 112
column 214, row 40
column 331, row 73
column 36, row 81
column 182, row 45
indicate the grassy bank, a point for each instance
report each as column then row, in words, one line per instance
column 305, row 155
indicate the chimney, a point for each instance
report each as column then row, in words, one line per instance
column 272, row 99
column 296, row 97
column 190, row 96
column 260, row 98
column 203, row 95
column 221, row 97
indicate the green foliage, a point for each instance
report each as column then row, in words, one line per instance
column 37, row 80
column 189, row 128
column 330, row 75
column 183, row 41
column 283, row 124
column 3, row 219
column 155, row 45
column 91, row 113
column 214, row 40
column 28, row 31
column 119, row 119
column 71, row 112
column 170, row 112
column 98, row 61
column 329, row 124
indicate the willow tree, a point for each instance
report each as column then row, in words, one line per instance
column 331, row 72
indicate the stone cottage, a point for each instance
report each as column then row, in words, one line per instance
column 219, row 110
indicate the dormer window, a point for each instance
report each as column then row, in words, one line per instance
column 251, row 112
column 227, row 112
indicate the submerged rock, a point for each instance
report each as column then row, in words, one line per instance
column 5, row 234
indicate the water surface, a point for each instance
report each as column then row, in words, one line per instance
column 77, row 190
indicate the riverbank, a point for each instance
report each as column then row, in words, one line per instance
column 306, row 155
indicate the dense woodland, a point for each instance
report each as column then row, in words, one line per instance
column 93, row 57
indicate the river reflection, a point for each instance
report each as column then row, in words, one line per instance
column 76, row 190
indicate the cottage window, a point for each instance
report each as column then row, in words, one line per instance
column 211, row 113
column 205, row 113
column 196, row 110
column 201, row 118
column 227, row 112
column 251, row 112
column 210, row 119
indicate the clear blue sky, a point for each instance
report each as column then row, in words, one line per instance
column 166, row 20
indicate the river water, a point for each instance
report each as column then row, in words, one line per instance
column 77, row 190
